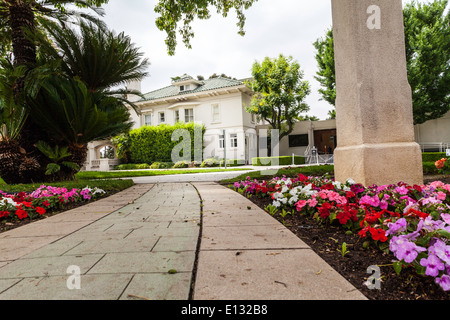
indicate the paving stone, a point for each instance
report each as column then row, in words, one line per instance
column 47, row 266
column 158, row 287
column 97, row 287
column 114, row 245
column 144, row 262
column 14, row 248
column 249, row 237
column 269, row 275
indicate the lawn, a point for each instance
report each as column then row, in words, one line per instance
column 144, row 173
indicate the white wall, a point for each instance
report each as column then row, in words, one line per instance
column 434, row 131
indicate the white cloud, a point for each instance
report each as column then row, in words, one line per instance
column 272, row 27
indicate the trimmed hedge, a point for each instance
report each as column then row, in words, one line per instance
column 233, row 163
column 282, row 161
column 132, row 166
column 151, row 144
column 433, row 156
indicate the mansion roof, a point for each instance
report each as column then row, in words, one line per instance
column 201, row 86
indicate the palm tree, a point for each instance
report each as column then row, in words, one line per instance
column 72, row 115
column 103, row 60
column 18, row 18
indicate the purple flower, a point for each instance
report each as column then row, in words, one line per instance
column 433, row 265
column 404, row 249
column 396, row 227
column 441, row 250
column 444, row 282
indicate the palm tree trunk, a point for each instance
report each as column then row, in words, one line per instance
column 22, row 20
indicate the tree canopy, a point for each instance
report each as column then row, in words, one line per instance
column 279, row 93
column 172, row 12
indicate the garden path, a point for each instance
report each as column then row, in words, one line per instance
column 153, row 241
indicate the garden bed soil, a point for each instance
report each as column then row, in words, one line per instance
column 326, row 240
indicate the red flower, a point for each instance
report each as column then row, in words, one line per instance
column 46, row 203
column 22, row 214
column 40, row 210
column 417, row 213
column 264, row 189
column 4, row 214
column 324, row 210
column 378, row 234
column 302, row 177
column 328, row 186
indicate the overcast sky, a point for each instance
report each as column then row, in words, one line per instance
column 287, row 27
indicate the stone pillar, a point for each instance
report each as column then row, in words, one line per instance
column 375, row 131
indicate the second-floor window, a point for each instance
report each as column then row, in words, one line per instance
column 215, row 113
column 188, row 115
column 221, row 141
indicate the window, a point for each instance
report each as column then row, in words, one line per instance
column 298, row 140
column 177, row 116
column 233, row 140
column 148, row 119
column 215, row 113
column 188, row 115
column 162, row 117
column 221, row 141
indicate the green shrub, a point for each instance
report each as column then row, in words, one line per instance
column 282, row 161
column 154, row 143
column 195, row 164
column 181, row 164
column 429, row 168
column 210, row 163
column 432, row 156
column 132, row 166
column 233, row 163
column 122, row 144
column 161, row 165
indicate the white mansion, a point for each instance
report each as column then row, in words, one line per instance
column 219, row 104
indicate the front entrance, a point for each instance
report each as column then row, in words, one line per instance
column 325, row 141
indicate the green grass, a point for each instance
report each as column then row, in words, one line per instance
column 144, row 173
column 107, row 185
column 292, row 172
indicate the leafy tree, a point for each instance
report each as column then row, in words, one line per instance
column 427, row 34
column 427, row 38
column 173, row 11
column 279, row 93
column 326, row 74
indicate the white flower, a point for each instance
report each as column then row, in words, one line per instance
column 351, row 181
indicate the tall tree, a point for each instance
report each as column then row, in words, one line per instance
column 174, row 11
column 427, row 38
column 279, row 93
column 18, row 20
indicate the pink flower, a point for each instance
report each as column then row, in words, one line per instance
column 441, row 195
column 300, row 204
column 312, row 202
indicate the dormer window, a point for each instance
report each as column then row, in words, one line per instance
column 185, row 87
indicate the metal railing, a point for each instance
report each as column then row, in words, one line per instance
column 434, row 146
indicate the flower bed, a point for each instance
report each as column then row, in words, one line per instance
column 412, row 223
column 44, row 199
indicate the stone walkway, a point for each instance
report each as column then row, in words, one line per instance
column 153, row 242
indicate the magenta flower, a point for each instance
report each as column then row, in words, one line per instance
column 433, row 265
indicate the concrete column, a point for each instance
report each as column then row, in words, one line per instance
column 374, row 102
